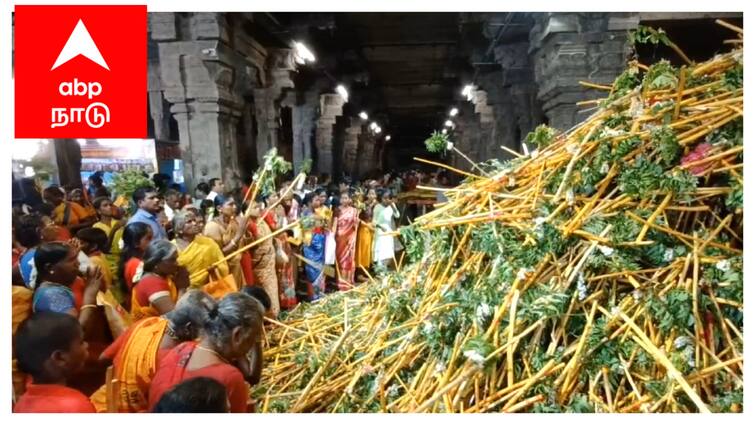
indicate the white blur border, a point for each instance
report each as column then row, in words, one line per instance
column 6, row 136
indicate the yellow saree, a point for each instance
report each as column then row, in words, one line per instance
column 134, row 366
column 201, row 253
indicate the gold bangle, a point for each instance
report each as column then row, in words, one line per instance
column 85, row 306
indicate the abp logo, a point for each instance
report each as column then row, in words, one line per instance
column 81, row 71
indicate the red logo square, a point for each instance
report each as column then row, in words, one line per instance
column 81, row 71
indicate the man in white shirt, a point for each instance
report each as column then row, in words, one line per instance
column 172, row 203
column 216, row 188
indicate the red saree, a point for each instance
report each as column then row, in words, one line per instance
column 346, row 243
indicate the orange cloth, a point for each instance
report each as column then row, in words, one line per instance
column 50, row 398
column 76, row 215
column 21, row 306
column 135, row 361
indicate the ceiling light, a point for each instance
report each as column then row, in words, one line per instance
column 343, row 92
column 454, row 112
column 363, row 115
column 388, row 138
column 448, row 123
column 303, row 54
column 378, row 130
column 445, row 131
column 467, row 90
column 373, row 126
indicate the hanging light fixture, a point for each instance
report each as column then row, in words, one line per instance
column 388, row 138
column 373, row 126
column 378, row 130
column 444, row 131
column 343, row 92
column 448, row 123
column 453, row 112
column 363, row 115
column 302, row 53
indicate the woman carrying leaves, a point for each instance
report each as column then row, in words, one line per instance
column 366, row 232
column 226, row 229
column 346, row 240
column 314, row 246
column 263, row 255
column 283, row 265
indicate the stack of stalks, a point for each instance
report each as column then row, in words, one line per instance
column 601, row 272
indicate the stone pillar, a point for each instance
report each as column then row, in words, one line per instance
column 205, row 79
column 267, row 100
column 207, row 136
column 465, row 136
column 568, row 47
column 303, row 119
column 365, row 149
column 351, row 145
column 331, row 106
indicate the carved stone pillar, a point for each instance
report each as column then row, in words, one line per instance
column 331, row 106
column 303, row 120
column 569, row 47
column 351, row 145
column 205, row 79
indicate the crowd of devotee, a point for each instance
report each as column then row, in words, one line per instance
column 158, row 303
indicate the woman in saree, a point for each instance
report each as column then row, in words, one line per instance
column 263, row 254
column 233, row 327
column 284, row 268
column 366, row 232
column 196, row 252
column 137, row 352
column 346, row 240
column 136, row 239
column 227, row 230
column 163, row 281
column 314, row 246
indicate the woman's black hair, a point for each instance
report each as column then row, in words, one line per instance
column 204, row 207
column 48, row 254
column 203, row 187
column 39, row 336
column 97, row 203
column 308, row 198
column 219, row 201
column 195, row 395
column 386, row 193
column 132, row 235
column 258, row 294
column 95, row 237
column 158, row 251
column 27, row 230
column 45, row 209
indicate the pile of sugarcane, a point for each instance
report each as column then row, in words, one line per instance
column 601, row 272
